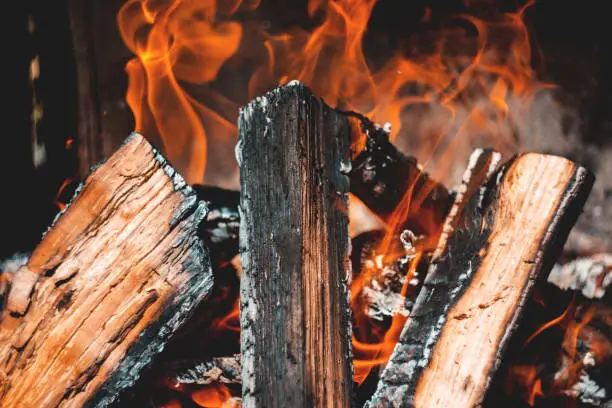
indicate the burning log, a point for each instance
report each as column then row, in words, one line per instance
column 114, row 277
column 508, row 236
column 385, row 179
column 295, row 318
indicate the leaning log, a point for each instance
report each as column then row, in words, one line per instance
column 508, row 236
column 293, row 154
column 112, row 279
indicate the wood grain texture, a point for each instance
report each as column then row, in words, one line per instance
column 509, row 235
column 295, row 318
column 112, row 279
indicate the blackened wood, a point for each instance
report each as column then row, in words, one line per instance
column 481, row 165
column 383, row 178
column 119, row 271
column 219, row 230
column 508, row 236
column 294, row 308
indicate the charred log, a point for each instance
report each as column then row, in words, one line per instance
column 295, row 318
column 481, row 165
column 113, row 278
column 385, row 179
column 508, row 236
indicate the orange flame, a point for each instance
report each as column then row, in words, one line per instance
column 176, row 41
column 458, row 92
column 553, row 322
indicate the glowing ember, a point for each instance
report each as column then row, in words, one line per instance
column 212, row 396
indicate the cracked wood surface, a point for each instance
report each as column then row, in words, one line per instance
column 112, row 279
column 294, row 239
column 508, row 236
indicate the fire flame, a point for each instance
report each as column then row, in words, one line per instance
column 444, row 94
column 460, row 90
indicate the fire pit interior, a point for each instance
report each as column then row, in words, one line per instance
column 300, row 203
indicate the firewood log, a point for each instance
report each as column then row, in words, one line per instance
column 386, row 180
column 295, row 318
column 481, row 165
column 119, row 271
column 508, row 236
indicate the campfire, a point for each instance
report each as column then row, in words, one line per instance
column 297, row 218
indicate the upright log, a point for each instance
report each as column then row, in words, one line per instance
column 293, row 153
column 113, row 278
column 508, row 236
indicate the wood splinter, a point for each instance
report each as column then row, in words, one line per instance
column 114, row 277
column 507, row 236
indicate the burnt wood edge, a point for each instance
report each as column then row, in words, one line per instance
column 153, row 339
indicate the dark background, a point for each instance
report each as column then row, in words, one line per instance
column 572, row 47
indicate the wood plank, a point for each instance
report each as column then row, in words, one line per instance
column 295, row 317
column 509, row 236
column 112, row 279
